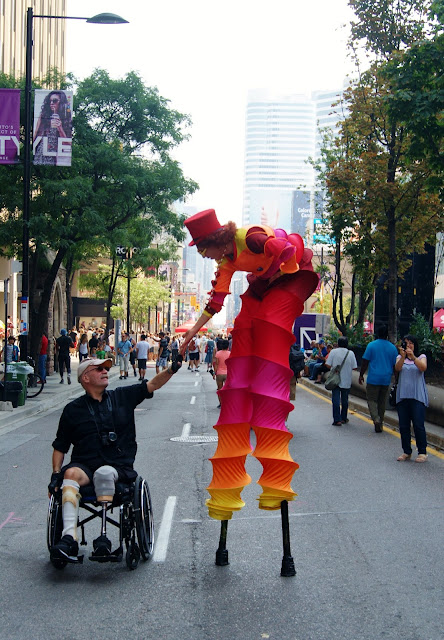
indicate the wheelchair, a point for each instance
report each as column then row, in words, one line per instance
column 135, row 522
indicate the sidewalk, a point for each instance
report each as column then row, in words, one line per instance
column 55, row 394
column 435, row 433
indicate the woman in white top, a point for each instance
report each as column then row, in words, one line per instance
column 411, row 398
column 82, row 347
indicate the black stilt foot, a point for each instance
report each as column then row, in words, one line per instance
column 222, row 552
column 288, row 569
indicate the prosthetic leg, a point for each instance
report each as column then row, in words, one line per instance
column 104, row 485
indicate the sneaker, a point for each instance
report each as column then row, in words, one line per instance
column 102, row 546
column 120, row 377
column 66, row 548
column 62, row 381
column 69, row 380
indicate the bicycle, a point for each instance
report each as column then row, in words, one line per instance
column 35, row 383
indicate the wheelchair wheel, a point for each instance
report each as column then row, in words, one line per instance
column 54, row 529
column 132, row 556
column 144, row 518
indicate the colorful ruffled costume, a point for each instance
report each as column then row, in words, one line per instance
column 256, row 392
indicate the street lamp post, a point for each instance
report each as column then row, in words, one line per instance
column 101, row 18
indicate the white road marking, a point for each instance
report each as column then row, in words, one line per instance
column 186, row 430
column 193, row 399
column 161, row 547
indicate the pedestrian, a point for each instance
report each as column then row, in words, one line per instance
column 10, row 353
column 99, row 460
column 379, row 358
column 100, row 353
column 63, row 346
column 174, row 346
column 82, row 347
column 320, row 359
column 193, row 353
column 220, row 365
column 142, row 349
column 209, row 352
column 411, row 397
column 93, row 344
column 162, row 356
column 73, row 335
column 320, row 368
column 133, row 356
column 202, row 347
column 346, row 359
column 43, row 355
column 124, row 348
column 296, row 360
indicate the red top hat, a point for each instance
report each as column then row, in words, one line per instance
column 202, row 224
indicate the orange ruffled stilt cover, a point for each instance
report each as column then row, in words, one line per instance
column 256, row 395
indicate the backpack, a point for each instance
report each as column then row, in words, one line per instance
column 297, row 360
column 192, row 345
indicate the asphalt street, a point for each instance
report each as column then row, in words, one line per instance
column 366, row 536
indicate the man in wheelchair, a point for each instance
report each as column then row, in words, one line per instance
column 101, row 427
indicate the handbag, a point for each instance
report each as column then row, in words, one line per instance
column 392, row 395
column 334, row 376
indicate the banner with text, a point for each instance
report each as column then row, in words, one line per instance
column 52, row 137
column 9, row 126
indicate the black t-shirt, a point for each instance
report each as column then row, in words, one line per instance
column 163, row 348
column 85, row 421
column 93, row 343
column 64, row 343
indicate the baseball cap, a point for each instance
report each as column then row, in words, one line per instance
column 92, row 362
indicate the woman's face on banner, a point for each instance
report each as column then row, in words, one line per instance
column 54, row 102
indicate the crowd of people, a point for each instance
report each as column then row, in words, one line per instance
column 381, row 362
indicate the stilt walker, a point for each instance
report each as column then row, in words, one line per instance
column 256, row 391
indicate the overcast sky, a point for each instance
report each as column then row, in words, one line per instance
column 204, row 57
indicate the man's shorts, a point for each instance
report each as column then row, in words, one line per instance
column 126, row 474
column 161, row 362
column 142, row 363
column 194, row 356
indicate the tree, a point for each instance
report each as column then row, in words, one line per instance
column 75, row 210
column 380, row 206
column 144, row 292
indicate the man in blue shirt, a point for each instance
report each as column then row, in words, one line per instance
column 379, row 358
column 124, row 348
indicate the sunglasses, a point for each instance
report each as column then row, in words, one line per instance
column 202, row 251
column 101, row 368
column 54, row 100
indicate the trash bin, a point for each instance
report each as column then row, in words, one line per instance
column 18, row 372
column 13, row 391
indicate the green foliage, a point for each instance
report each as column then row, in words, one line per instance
column 429, row 341
column 357, row 336
column 380, row 176
column 119, row 190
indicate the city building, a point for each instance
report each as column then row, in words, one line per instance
column 282, row 132
column 49, row 50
